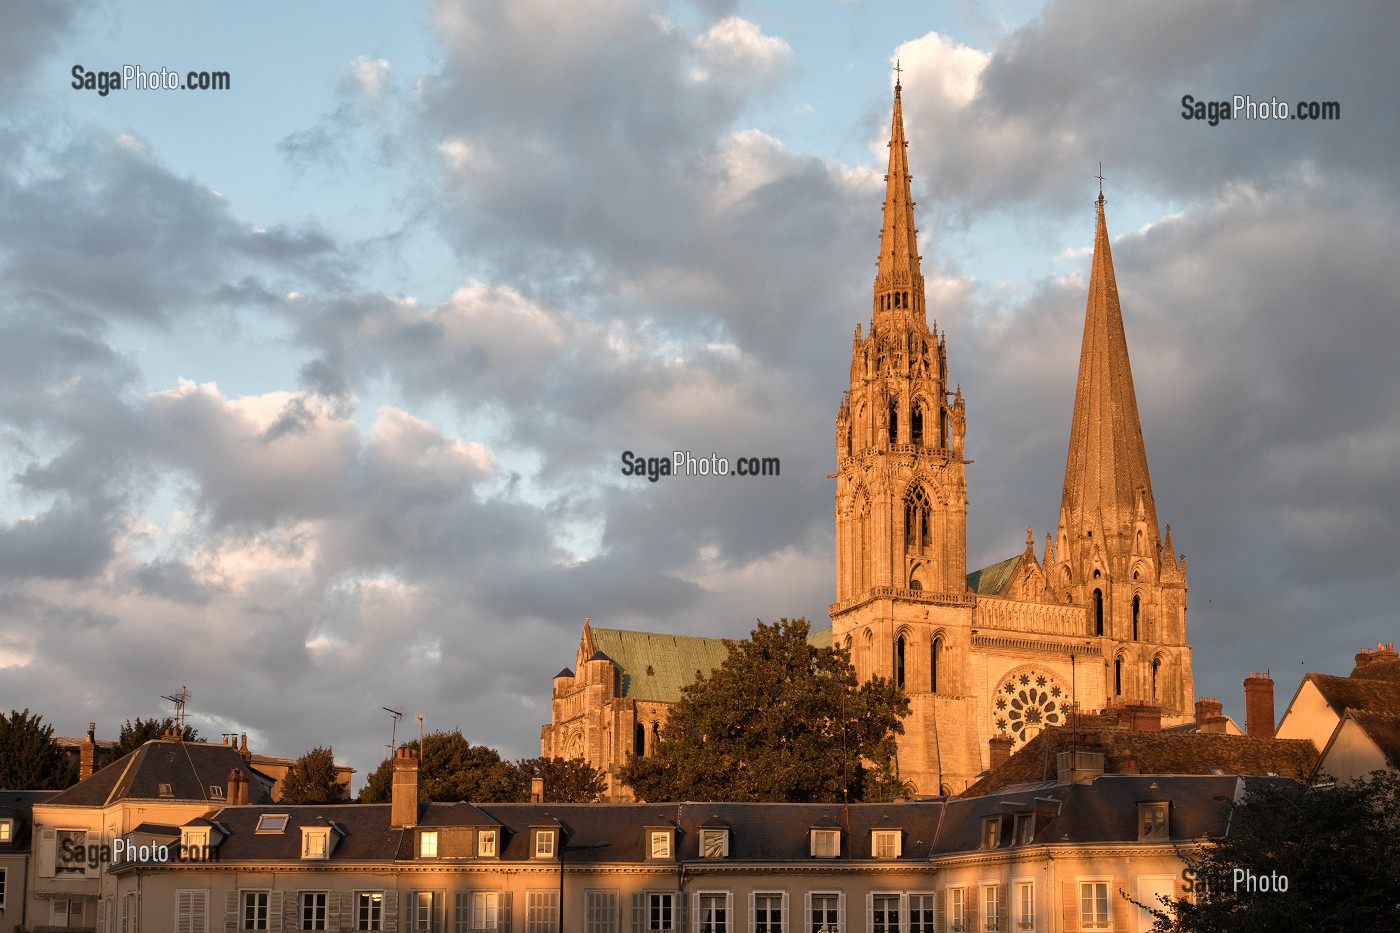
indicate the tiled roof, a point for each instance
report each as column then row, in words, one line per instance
column 1359, row 693
column 1384, row 730
column 190, row 768
column 1156, row 753
column 989, row 580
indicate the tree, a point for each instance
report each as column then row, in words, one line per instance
column 566, row 780
column 450, row 768
column 1318, row 858
column 29, row 757
column 779, row 720
column 136, row 733
column 312, row 779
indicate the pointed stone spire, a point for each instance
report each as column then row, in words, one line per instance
column 899, row 285
column 1106, row 481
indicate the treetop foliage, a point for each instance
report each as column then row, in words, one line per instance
column 137, row 732
column 779, row 720
column 30, row 759
column 312, row 779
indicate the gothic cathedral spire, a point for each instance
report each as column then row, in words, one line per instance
column 899, row 285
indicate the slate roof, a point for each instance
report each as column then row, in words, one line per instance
column 190, row 768
column 989, row 581
column 1156, row 753
column 656, row 666
column 18, row 805
column 1359, row 693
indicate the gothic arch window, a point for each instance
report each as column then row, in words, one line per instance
column 934, row 656
column 916, row 520
column 1157, row 678
column 867, row 652
column 1098, row 610
column 639, row 740
column 899, row 647
column 942, row 426
column 1118, row 676
column 1137, row 612
column 916, row 423
column 655, row 736
column 894, row 422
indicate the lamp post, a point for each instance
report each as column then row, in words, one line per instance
column 562, row 849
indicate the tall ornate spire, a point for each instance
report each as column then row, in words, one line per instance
column 899, row 285
column 1106, row 479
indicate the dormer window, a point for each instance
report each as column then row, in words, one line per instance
column 714, row 843
column 428, row 843
column 7, row 830
column 486, row 843
column 216, row 791
column 826, row 843
column 544, row 843
column 991, row 832
column 660, row 846
column 271, row 823
column 1025, row 828
column 167, row 790
column 1153, row 820
column 885, row 843
column 315, row 842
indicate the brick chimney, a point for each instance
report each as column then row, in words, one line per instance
column 236, row 790
column 1144, row 717
column 1207, row 710
column 403, row 792
column 87, row 753
column 537, row 789
column 1259, row 706
column 999, row 747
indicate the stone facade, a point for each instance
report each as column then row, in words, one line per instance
column 1099, row 618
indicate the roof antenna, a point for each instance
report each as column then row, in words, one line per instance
column 180, row 700
column 394, row 730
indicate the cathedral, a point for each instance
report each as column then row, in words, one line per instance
column 1097, row 619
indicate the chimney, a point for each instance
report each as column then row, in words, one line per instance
column 1078, row 767
column 87, row 753
column 403, row 792
column 999, row 747
column 236, row 791
column 1259, row 706
column 1144, row 717
column 537, row 790
column 1207, row 709
column 1123, row 764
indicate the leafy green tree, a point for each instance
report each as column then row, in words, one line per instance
column 566, row 780
column 451, row 768
column 312, row 779
column 138, row 732
column 779, row 720
column 30, row 759
column 1336, row 847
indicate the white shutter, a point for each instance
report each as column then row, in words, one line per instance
column 184, row 906
column 806, row 917
column 639, row 912
column 787, row 917
column 753, row 909
column 274, row 912
column 841, row 910
column 678, row 921
column 231, row 912
column 731, row 922
column 695, row 899
column 505, row 911
column 869, row 910
column 48, row 852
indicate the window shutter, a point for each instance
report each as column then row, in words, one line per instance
column 941, row 905
column 1119, row 909
column 695, row 900
column 199, row 912
column 274, row 912
column 788, row 923
column 184, row 906
column 841, row 910
column 753, row 910
column 639, row 912
column 806, row 918
column 731, row 921
column 869, row 910
column 970, row 898
column 231, row 912
column 1070, row 916
column 48, row 852
column 505, row 910
column 678, row 922
column 101, row 915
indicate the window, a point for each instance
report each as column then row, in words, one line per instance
column 1152, row 821
column 271, row 823
column 369, row 910
column 428, row 843
column 661, row 844
column 541, row 910
column 933, row 665
column 216, row 790
column 64, row 911
column 600, row 912
column 7, row 830
column 916, row 515
column 826, row 843
column 71, row 854
column 1025, row 828
column 714, row 843
column 1025, row 906
column 884, row 913
column 660, row 910
column 254, row 910
column 826, row 913
column 478, row 910
column 1118, row 676
column 313, row 910
column 1156, row 669
column 1137, row 612
column 991, row 908
column 768, row 913
column 2, row 888
column 957, row 911
column 899, row 662
column 991, row 832
column 1098, row 610
column 713, row 913
column 486, row 843
column 167, row 790
column 639, row 740
column 421, row 911
column 544, row 843
column 921, row 915
column 885, row 843
column 315, row 843
column 1093, row 905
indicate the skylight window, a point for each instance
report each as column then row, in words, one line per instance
column 271, row 823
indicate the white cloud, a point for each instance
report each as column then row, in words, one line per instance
column 736, row 49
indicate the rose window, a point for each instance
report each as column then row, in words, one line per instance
column 1026, row 704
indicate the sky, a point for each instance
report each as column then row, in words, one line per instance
column 314, row 390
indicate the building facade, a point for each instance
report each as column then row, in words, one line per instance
column 1099, row 617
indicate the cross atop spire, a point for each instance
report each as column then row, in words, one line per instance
column 1099, row 176
column 899, row 285
column 897, row 71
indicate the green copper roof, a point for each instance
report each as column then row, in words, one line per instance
column 989, row 580
column 654, row 666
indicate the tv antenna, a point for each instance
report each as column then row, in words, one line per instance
column 181, row 700
column 394, row 730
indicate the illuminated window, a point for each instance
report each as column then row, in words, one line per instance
column 428, row 843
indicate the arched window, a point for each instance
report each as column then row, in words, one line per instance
column 639, row 740
column 933, row 664
column 1098, row 611
column 1118, row 676
column 899, row 662
column 916, row 423
column 894, row 422
column 1156, row 670
column 916, row 512
column 942, row 426
column 1137, row 610
column 655, row 736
